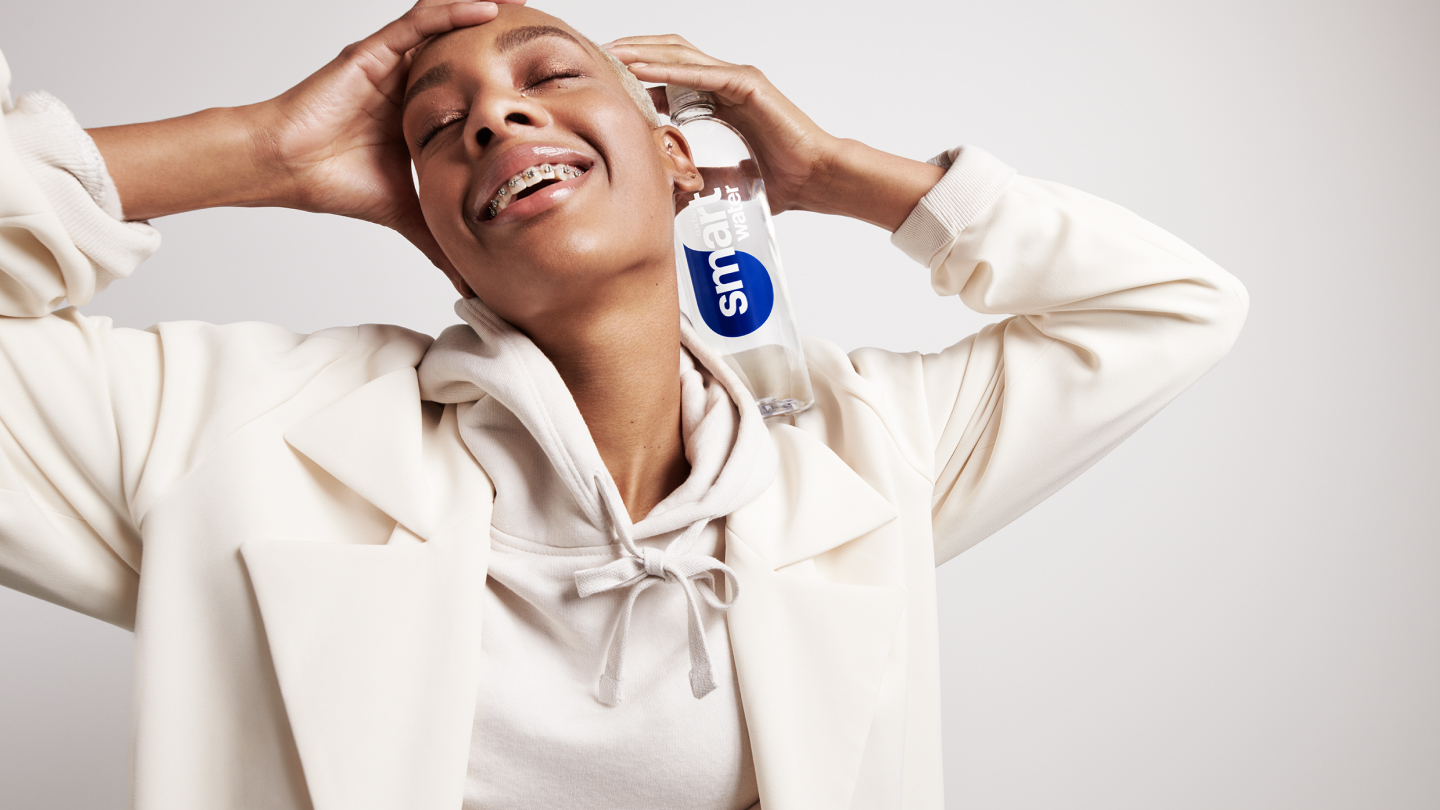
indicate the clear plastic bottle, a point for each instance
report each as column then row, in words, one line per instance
column 731, row 286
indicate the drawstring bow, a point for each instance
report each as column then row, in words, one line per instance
column 641, row 567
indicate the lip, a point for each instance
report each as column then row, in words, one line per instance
column 517, row 159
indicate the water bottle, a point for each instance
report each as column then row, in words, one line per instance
column 731, row 286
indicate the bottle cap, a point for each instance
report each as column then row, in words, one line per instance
column 687, row 102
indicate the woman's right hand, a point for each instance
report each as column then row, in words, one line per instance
column 331, row 144
column 335, row 139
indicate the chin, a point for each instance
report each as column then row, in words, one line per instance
column 572, row 281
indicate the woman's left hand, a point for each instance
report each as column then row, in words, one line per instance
column 795, row 154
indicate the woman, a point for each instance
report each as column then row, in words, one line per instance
column 379, row 572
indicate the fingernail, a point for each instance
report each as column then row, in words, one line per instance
column 638, row 64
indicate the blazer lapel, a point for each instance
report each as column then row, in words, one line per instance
column 815, row 623
column 377, row 647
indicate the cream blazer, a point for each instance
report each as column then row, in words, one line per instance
column 299, row 542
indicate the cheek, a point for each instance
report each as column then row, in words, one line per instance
column 640, row 172
column 441, row 194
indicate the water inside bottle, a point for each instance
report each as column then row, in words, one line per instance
column 772, row 368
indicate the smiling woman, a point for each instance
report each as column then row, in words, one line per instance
column 554, row 557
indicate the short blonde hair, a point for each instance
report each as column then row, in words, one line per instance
column 632, row 85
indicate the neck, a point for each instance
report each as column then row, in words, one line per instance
column 622, row 366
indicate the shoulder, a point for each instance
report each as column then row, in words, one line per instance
column 210, row 380
column 867, row 401
column 265, row 349
column 226, row 394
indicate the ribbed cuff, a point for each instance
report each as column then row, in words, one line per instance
column 973, row 180
column 62, row 143
column 68, row 168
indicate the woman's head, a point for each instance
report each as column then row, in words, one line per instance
column 486, row 104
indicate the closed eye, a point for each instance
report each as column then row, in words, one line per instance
column 554, row 76
column 432, row 130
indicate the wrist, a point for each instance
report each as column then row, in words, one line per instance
column 207, row 159
column 868, row 184
column 267, row 179
column 816, row 194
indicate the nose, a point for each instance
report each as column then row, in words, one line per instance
column 500, row 114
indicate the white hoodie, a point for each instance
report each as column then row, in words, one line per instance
column 590, row 619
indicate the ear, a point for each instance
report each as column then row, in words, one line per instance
column 679, row 162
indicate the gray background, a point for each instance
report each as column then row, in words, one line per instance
column 1239, row 608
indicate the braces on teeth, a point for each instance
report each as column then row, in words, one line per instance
column 531, row 176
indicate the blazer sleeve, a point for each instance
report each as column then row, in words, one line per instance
column 76, row 396
column 97, row 423
column 1112, row 318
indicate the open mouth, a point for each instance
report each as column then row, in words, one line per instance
column 528, row 182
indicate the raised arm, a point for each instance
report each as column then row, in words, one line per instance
column 332, row 144
column 99, row 423
column 1113, row 317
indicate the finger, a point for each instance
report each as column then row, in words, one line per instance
column 423, row 22
column 392, row 86
column 732, row 84
column 432, row 3
column 667, row 53
column 662, row 39
column 411, row 225
column 380, row 54
column 428, row 3
column 420, row 236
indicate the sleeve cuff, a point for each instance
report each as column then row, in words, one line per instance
column 67, row 166
column 973, row 180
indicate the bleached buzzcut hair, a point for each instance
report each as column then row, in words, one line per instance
column 632, row 85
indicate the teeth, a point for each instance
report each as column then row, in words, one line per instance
column 529, row 177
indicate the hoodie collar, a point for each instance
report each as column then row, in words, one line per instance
column 515, row 409
column 374, row 646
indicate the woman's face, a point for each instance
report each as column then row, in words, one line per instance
column 487, row 104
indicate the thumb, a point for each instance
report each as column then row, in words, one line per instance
column 411, row 225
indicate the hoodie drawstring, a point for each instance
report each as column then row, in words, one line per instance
column 640, row 567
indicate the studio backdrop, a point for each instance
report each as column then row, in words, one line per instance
column 1239, row 608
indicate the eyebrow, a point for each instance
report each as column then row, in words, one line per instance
column 436, row 75
column 509, row 41
column 516, row 37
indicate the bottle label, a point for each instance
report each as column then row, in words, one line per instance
column 733, row 289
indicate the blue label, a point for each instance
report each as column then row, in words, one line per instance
column 732, row 290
